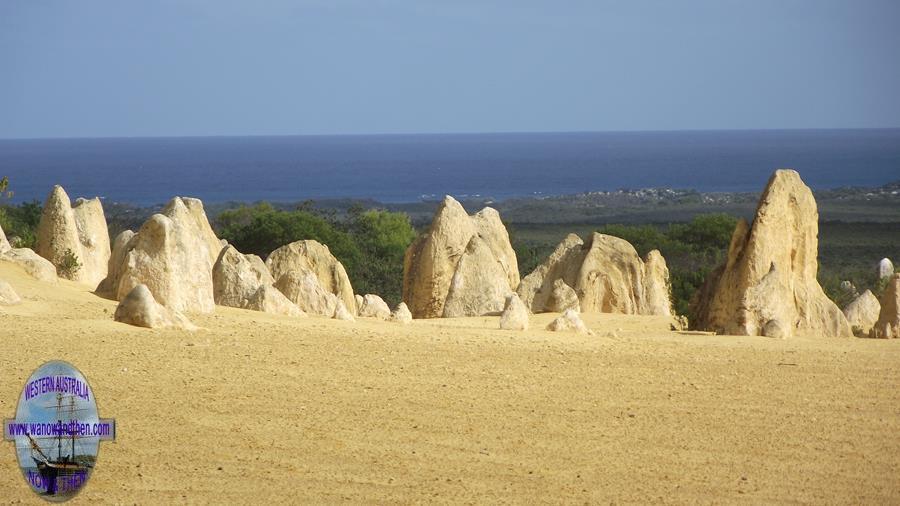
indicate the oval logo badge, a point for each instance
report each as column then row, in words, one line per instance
column 57, row 431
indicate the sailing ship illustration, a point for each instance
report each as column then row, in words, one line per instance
column 69, row 468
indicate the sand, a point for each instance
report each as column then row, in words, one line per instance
column 258, row 408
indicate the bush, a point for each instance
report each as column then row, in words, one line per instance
column 69, row 266
column 21, row 221
column 261, row 229
column 382, row 237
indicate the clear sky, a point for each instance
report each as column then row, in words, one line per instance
column 84, row 68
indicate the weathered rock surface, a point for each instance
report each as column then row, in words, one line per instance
column 770, row 272
column 237, row 278
column 8, row 296
column 57, row 231
column 374, row 306
column 303, row 289
column 536, row 288
column 657, row 287
column 110, row 285
column 885, row 268
column 138, row 308
column 243, row 281
column 269, row 299
column 80, row 229
column 401, row 314
column 35, row 265
column 774, row 328
column 93, row 235
column 463, row 266
column 359, row 302
column 562, row 297
column 172, row 257
column 4, row 243
column 570, row 321
column 606, row 274
column 888, row 324
column 341, row 312
column 479, row 286
column 313, row 257
column 862, row 313
column 490, row 229
column 192, row 216
column 515, row 314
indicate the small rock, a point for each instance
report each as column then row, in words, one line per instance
column 401, row 314
column 570, row 321
column 515, row 314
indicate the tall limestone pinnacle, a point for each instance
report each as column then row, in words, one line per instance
column 173, row 254
column 80, row 229
column 768, row 285
column 463, row 266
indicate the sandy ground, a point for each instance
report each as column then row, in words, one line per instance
column 259, row 408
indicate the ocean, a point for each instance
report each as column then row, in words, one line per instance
column 408, row 168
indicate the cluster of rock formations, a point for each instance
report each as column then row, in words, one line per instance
column 186, row 268
column 175, row 264
column 768, row 285
column 461, row 266
column 604, row 275
column 465, row 266
column 244, row 281
column 311, row 277
column 870, row 317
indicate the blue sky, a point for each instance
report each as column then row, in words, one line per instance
column 223, row 67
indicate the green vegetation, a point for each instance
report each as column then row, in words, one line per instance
column 18, row 221
column 261, row 229
column 370, row 244
column 382, row 237
column 851, row 251
column 69, row 265
column 691, row 250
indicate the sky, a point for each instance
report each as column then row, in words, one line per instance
column 92, row 68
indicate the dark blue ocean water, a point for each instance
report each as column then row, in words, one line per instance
column 404, row 168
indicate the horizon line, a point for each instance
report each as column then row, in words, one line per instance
column 436, row 134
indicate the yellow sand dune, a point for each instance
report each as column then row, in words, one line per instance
column 258, row 408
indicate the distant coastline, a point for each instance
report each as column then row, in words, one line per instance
column 879, row 204
column 406, row 169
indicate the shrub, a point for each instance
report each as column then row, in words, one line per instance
column 19, row 221
column 261, row 229
column 382, row 237
column 69, row 266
